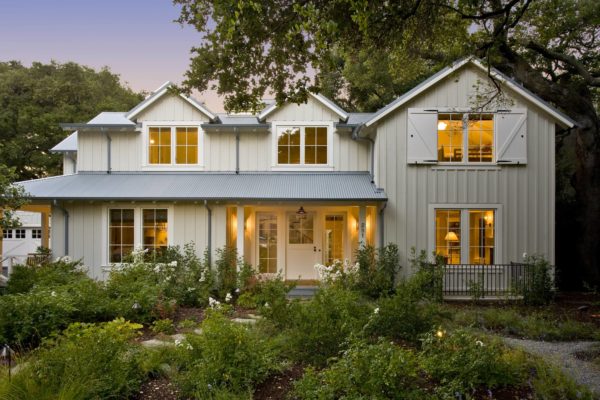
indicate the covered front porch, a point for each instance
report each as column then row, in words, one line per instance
column 290, row 238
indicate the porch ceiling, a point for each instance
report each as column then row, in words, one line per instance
column 277, row 186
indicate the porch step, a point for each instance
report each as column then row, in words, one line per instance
column 302, row 292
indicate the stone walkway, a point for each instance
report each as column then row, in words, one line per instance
column 562, row 355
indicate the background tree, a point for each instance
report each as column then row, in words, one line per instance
column 11, row 198
column 364, row 53
column 34, row 100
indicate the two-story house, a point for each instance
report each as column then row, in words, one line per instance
column 303, row 184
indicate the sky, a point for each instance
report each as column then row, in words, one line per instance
column 136, row 39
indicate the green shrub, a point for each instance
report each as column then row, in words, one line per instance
column 226, row 266
column 318, row 329
column 163, row 326
column 538, row 288
column 87, row 361
column 25, row 278
column 428, row 276
column 405, row 315
column 27, row 318
column 226, row 359
column 187, row 324
column 462, row 362
column 377, row 269
column 365, row 371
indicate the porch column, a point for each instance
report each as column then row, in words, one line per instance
column 45, row 230
column 240, row 231
column 362, row 226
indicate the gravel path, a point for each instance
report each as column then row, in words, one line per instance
column 562, row 355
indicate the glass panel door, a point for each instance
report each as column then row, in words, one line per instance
column 334, row 238
column 267, row 243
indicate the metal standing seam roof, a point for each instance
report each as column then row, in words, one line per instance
column 67, row 144
column 321, row 186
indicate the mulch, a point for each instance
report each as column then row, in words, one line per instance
column 278, row 386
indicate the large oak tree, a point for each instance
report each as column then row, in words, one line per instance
column 365, row 52
column 35, row 99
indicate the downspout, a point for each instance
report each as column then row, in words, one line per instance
column 355, row 136
column 237, row 150
column 108, row 161
column 66, row 214
column 209, row 210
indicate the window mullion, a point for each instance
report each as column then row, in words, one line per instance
column 302, row 144
column 464, row 243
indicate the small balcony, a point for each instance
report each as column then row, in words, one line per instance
column 486, row 282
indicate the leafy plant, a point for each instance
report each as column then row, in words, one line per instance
column 25, row 278
column 429, row 276
column 87, row 361
column 537, row 287
column 377, row 269
column 163, row 326
column 365, row 371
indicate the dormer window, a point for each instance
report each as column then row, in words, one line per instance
column 303, row 145
column 173, row 145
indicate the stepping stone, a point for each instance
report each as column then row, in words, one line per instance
column 248, row 321
column 254, row 316
column 154, row 343
column 198, row 331
column 18, row 368
column 178, row 336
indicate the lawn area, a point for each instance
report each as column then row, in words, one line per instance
column 170, row 327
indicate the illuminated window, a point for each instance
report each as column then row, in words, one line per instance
column 334, row 238
column 470, row 134
column 155, row 229
column 186, row 145
column 159, row 145
column 302, row 145
column 267, row 243
column 300, row 229
column 121, row 236
column 477, row 242
column 448, row 235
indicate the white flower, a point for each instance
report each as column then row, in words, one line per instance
column 479, row 343
column 191, row 289
column 202, row 277
column 168, row 278
column 189, row 347
column 525, row 255
column 157, row 269
column 177, row 342
column 267, row 305
column 214, row 303
column 173, row 263
column 228, row 298
column 237, row 290
column 53, row 294
column 376, row 311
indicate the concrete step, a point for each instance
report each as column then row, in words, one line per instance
column 302, row 292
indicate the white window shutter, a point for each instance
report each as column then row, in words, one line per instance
column 511, row 136
column 421, row 143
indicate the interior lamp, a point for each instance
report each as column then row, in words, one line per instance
column 442, row 126
column 451, row 237
column 489, row 218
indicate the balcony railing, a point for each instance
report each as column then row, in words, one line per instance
column 486, row 281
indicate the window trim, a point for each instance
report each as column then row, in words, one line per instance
column 137, row 226
column 464, row 222
column 276, row 125
column 465, row 139
column 146, row 125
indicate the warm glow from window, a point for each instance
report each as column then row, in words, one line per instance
column 481, row 237
column 155, row 229
column 159, row 148
column 120, row 232
column 315, row 150
column 173, row 145
column 481, row 137
column 447, row 235
column 267, row 242
column 470, row 134
column 186, row 147
column 450, row 137
column 302, row 145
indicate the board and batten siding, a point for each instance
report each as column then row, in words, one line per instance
column 525, row 193
column 88, row 230
column 312, row 110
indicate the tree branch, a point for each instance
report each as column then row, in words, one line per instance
column 588, row 76
column 485, row 15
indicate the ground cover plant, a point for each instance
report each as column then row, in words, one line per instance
column 345, row 342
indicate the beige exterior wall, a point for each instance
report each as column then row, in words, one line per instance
column 524, row 193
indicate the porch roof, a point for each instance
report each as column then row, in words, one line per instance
column 273, row 186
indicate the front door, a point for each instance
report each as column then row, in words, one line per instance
column 303, row 246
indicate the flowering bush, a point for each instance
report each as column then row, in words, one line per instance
column 341, row 273
column 377, row 270
column 24, row 278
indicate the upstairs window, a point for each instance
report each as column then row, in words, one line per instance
column 173, row 145
column 307, row 145
column 465, row 137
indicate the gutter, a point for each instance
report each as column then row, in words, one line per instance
column 66, row 214
column 209, row 246
column 109, row 155
column 356, row 136
column 381, row 226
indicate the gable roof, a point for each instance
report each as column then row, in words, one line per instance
column 319, row 97
column 160, row 92
column 66, row 145
column 432, row 80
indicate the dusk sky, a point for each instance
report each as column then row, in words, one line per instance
column 136, row 39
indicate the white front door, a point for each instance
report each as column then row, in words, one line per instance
column 303, row 245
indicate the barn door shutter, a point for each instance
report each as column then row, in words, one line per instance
column 421, row 142
column 511, row 136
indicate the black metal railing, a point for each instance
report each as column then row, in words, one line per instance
column 486, row 281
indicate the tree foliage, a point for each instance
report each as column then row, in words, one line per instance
column 364, row 53
column 34, row 100
column 11, row 198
